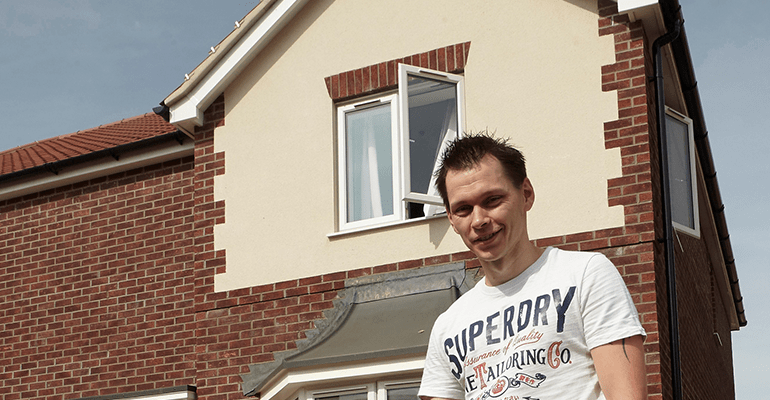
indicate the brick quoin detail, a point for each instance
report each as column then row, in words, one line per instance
column 631, row 247
column 208, row 261
column 384, row 76
column 208, row 212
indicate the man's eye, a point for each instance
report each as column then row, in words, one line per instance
column 463, row 210
column 493, row 200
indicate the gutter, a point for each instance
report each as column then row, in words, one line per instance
column 683, row 62
column 95, row 164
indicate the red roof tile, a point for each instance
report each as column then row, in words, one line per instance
column 104, row 137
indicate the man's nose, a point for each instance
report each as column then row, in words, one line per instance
column 480, row 218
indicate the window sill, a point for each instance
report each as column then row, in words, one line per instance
column 335, row 235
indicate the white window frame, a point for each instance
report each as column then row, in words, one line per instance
column 301, row 383
column 383, row 386
column 172, row 395
column 402, row 193
column 403, row 75
column 361, row 105
column 374, row 390
column 695, row 229
column 368, row 388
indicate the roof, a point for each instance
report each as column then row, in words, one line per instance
column 84, row 142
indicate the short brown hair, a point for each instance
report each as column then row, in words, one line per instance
column 467, row 152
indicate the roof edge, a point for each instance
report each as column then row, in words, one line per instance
column 241, row 28
column 96, row 164
column 207, row 81
column 627, row 5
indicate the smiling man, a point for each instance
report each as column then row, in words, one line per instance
column 544, row 323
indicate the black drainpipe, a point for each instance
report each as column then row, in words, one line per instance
column 673, row 318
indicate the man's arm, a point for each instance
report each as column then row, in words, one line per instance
column 620, row 369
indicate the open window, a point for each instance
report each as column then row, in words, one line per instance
column 682, row 173
column 389, row 148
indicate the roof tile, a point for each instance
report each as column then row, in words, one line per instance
column 87, row 141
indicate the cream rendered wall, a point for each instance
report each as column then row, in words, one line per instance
column 533, row 74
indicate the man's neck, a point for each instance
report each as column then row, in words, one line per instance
column 503, row 270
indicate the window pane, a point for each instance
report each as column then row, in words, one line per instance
column 353, row 396
column 407, row 393
column 680, row 175
column 369, row 163
column 432, row 117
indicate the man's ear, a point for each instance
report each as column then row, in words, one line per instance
column 529, row 194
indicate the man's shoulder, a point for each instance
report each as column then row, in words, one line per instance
column 560, row 256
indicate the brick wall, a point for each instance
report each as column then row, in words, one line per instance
column 97, row 288
column 707, row 369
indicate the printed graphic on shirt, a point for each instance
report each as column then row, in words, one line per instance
column 505, row 351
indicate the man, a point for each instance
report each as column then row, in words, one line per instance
column 544, row 323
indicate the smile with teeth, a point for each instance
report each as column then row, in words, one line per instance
column 487, row 237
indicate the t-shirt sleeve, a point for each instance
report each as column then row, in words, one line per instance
column 437, row 375
column 609, row 313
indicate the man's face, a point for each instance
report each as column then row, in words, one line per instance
column 488, row 211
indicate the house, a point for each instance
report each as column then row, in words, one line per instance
column 280, row 237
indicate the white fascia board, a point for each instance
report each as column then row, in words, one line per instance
column 647, row 11
column 626, row 5
column 186, row 395
column 190, row 110
column 133, row 159
column 289, row 382
column 186, row 114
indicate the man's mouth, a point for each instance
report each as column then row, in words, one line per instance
column 486, row 238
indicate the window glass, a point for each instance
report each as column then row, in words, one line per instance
column 432, row 115
column 432, row 111
column 368, row 145
column 679, row 171
column 403, row 393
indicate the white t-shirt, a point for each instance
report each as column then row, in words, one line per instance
column 532, row 335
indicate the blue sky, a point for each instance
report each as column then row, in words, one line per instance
column 72, row 65
column 730, row 46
